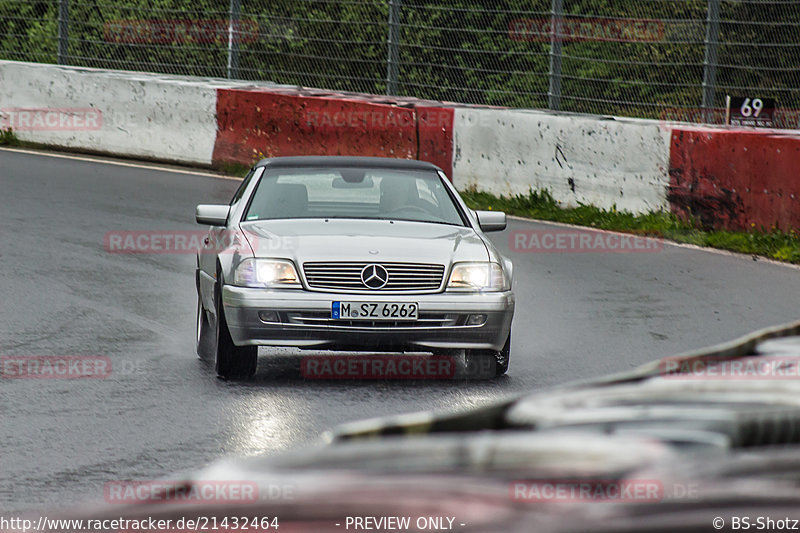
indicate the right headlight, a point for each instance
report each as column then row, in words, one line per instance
column 477, row 277
column 266, row 273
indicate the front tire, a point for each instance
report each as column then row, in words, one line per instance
column 204, row 333
column 232, row 362
column 503, row 358
column 479, row 359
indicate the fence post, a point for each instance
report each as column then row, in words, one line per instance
column 63, row 32
column 556, row 39
column 393, row 61
column 710, row 60
column 234, row 38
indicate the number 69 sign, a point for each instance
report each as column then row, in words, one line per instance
column 750, row 111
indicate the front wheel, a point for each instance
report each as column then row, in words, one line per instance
column 495, row 362
column 232, row 361
column 203, row 332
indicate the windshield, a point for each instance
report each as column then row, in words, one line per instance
column 384, row 194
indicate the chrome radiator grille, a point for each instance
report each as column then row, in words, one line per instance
column 346, row 276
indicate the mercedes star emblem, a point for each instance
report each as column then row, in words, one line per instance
column 374, row 276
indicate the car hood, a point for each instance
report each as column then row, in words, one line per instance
column 364, row 240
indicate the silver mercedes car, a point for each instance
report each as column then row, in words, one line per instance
column 350, row 253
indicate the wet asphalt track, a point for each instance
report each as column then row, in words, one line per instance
column 162, row 410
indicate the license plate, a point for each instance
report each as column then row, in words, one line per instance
column 374, row 311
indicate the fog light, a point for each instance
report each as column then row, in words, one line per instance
column 268, row 316
column 476, row 320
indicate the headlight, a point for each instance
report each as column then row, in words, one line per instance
column 269, row 273
column 478, row 277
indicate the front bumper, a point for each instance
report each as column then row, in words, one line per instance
column 303, row 320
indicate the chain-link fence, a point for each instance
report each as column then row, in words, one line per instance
column 674, row 59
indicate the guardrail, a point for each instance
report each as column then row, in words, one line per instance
column 729, row 178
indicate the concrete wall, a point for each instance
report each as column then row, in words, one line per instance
column 729, row 178
column 580, row 159
column 140, row 115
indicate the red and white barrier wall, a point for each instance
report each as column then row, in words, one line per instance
column 270, row 122
column 736, row 178
column 724, row 177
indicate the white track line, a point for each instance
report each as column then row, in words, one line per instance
column 107, row 161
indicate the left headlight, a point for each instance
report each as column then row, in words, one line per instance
column 478, row 277
column 266, row 273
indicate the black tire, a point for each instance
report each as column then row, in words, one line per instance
column 503, row 358
column 232, row 362
column 476, row 360
column 204, row 333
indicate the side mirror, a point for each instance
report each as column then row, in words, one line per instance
column 491, row 220
column 211, row 215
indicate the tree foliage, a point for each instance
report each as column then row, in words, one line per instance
column 622, row 57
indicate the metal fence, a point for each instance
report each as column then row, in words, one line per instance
column 673, row 59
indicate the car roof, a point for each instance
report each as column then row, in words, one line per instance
column 317, row 161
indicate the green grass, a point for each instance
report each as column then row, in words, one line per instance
column 8, row 137
column 774, row 244
column 232, row 169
